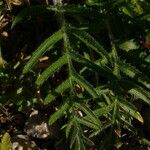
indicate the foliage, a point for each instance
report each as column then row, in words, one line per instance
column 97, row 45
column 5, row 142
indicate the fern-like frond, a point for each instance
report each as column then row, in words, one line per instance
column 101, row 90
column 60, row 89
column 54, row 117
column 52, row 69
column 46, row 45
column 74, row 134
column 79, row 144
column 87, row 123
column 140, row 93
column 92, row 117
column 69, row 126
column 126, row 122
column 76, row 137
column 130, row 109
column 88, row 141
column 136, row 90
column 134, row 73
column 89, row 41
column 103, row 110
column 85, row 84
column 104, row 71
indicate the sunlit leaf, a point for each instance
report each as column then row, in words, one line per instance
column 129, row 45
column 130, row 109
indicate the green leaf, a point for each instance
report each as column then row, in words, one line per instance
column 87, row 123
column 54, row 117
column 129, row 45
column 93, row 2
column 108, row 98
column 76, row 137
column 5, row 142
column 88, row 141
column 132, row 8
column 69, row 126
column 147, row 59
column 136, row 90
column 140, row 93
column 52, row 69
column 60, row 89
column 134, row 73
column 102, row 90
column 130, row 109
column 104, row 110
column 137, row 7
column 127, row 124
column 127, row 10
column 115, row 111
column 104, row 71
column 92, row 117
column 85, row 84
column 89, row 41
column 146, row 17
column 79, row 145
column 74, row 134
column 46, row 45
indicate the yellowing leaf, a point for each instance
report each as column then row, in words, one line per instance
column 138, row 116
column 129, row 45
column 5, row 142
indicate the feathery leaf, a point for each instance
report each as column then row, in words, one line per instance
column 136, row 90
column 51, row 69
column 104, row 71
column 74, row 134
column 87, row 123
column 92, row 117
column 46, row 45
column 79, row 145
column 81, row 81
column 130, row 109
column 104, row 110
column 134, row 73
column 60, row 89
column 140, row 93
column 54, row 117
column 89, row 41
column 69, row 126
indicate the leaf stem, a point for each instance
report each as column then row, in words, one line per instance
column 67, row 46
